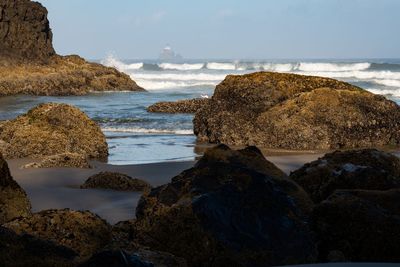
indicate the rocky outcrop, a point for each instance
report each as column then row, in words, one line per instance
column 13, row 200
column 356, row 169
column 70, row 75
column 29, row 64
column 65, row 160
column 359, row 225
column 81, row 231
column 181, row 106
column 289, row 111
column 233, row 208
column 115, row 181
column 51, row 129
column 24, row 30
column 25, row 250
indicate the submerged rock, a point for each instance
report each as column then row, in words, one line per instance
column 65, row 160
column 233, row 208
column 81, row 231
column 356, row 169
column 289, row 111
column 29, row 64
column 115, row 181
column 13, row 199
column 181, row 106
column 360, row 225
column 51, row 129
column 26, row 250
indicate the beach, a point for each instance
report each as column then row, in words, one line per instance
column 58, row 188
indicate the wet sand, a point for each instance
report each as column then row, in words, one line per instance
column 58, row 188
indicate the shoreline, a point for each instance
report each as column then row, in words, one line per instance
column 58, row 188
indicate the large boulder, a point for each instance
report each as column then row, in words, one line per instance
column 13, row 200
column 181, row 106
column 115, row 181
column 233, row 208
column 51, row 129
column 289, row 111
column 359, row 225
column 355, row 169
column 81, row 231
column 29, row 64
column 24, row 30
column 25, row 250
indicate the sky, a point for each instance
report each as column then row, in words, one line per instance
column 222, row 29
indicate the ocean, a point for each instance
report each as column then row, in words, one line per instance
column 136, row 136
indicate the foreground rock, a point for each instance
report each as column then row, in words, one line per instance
column 360, row 225
column 233, row 208
column 25, row 250
column 141, row 258
column 115, row 181
column 13, row 200
column 51, row 129
column 355, row 169
column 289, row 111
column 29, row 64
column 65, row 160
column 83, row 232
column 181, row 106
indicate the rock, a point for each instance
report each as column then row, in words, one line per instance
column 24, row 30
column 289, row 111
column 26, row 250
column 51, row 129
column 363, row 225
column 356, row 169
column 81, row 231
column 29, row 64
column 115, row 181
column 141, row 258
column 230, row 209
column 13, row 199
column 181, row 106
column 65, row 160
column 70, row 75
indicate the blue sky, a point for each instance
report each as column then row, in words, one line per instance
column 261, row 29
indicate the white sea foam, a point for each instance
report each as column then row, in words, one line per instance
column 221, row 66
column 279, row 67
column 394, row 92
column 332, row 67
column 361, row 75
column 112, row 61
column 146, row 131
column 159, row 84
column 391, row 83
column 180, row 76
column 184, row 66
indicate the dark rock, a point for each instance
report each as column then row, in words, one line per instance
column 362, row 225
column 230, row 209
column 51, row 129
column 25, row 250
column 65, row 160
column 115, row 181
column 356, row 169
column 181, row 106
column 13, row 200
column 81, row 231
column 121, row 258
column 24, row 30
column 289, row 111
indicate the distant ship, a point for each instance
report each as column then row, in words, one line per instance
column 168, row 55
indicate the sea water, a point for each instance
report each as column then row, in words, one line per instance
column 135, row 136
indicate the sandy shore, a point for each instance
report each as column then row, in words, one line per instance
column 58, row 188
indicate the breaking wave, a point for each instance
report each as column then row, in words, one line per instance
column 147, row 131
